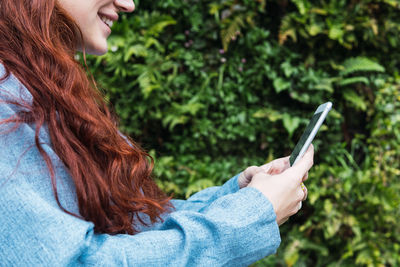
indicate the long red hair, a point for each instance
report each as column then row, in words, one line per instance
column 112, row 174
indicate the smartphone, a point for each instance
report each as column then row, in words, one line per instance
column 310, row 132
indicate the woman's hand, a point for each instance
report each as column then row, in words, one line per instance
column 274, row 167
column 285, row 190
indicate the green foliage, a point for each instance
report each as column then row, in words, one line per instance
column 359, row 64
column 211, row 87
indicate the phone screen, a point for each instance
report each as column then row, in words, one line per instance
column 304, row 137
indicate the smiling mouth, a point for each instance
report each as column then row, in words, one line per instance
column 106, row 20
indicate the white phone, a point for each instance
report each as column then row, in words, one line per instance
column 310, row 132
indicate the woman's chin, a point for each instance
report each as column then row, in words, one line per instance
column 98, row 49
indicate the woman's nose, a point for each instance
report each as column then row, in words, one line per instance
column 125, row 5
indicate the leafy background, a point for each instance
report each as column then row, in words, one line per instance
column 210, row 87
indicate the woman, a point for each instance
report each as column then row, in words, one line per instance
column 75, row 191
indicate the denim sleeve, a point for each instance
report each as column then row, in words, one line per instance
column 234, row 230
column 203, row 198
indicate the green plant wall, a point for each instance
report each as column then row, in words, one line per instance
column 211, row 87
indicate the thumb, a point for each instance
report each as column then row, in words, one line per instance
column 300, row 169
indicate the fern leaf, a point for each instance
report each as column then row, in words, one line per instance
column 353, row 80
column 360, row 64
column 135, row 50
column 355, row 100
column 230, row 32
column 157, row 28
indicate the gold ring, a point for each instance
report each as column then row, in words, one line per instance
column 303, row 187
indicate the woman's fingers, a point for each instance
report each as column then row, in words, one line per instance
column 266, row 167
column 276, row 166
column 251, row 171
column 305, row 177
column 283, row 221
column 303, row 194
column 305, row 190
column 246, row 176
column 280, row 165
column 300, row 169
column 283, row 185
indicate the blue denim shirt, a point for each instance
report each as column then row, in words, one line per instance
column 219, row 226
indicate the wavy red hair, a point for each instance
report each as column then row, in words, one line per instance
column 112, row 174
